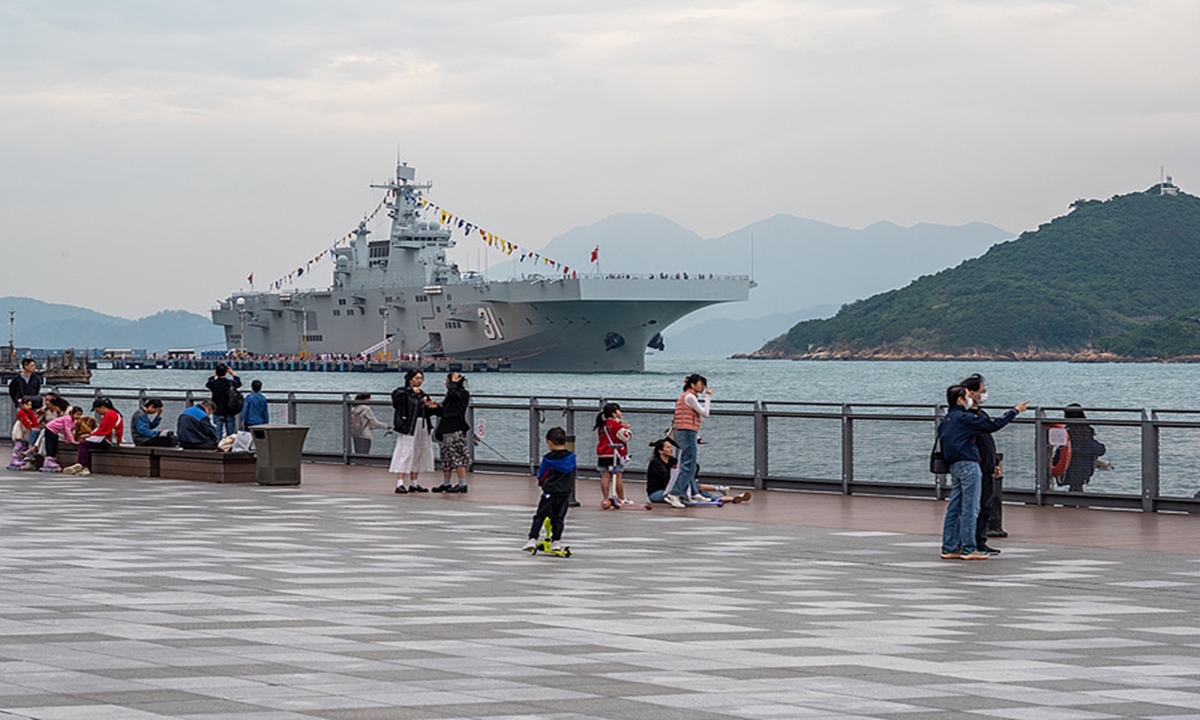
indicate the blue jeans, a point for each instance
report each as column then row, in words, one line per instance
column 687, row 463
column 226, row 424
column 958, row 531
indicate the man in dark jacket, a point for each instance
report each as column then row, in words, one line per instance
column 556, row 476
column 957, row 434
column 194, row 428
column 26, row 384
column 223, row 381
column 977, row 389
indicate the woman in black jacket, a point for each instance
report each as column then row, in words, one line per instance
column 1085, row 450
column 452, row 431
column 414, row 451
column 658, row 477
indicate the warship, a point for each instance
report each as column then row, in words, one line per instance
column 400, row 297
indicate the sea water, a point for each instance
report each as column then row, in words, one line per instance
column 798, row 447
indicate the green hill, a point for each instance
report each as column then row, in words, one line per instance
column 1109, row 279
column 47, row 325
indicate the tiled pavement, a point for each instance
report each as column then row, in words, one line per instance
column 125, row 598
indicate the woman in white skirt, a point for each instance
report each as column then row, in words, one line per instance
column 414, row 450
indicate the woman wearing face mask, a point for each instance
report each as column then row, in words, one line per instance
column 988, row 466
column 957, row 434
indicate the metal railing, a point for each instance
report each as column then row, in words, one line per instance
column 860, row 448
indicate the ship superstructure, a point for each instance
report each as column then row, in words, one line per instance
column 400, row 295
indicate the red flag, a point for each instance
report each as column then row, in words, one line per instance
column 250, row 278
column 596, row 254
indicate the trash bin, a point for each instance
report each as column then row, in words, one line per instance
column 278, row 447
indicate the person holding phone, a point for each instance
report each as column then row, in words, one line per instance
column 689, row 410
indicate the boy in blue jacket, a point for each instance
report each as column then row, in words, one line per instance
column 556, row 477
column 957, row 434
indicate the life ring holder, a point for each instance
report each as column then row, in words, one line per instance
column 1059, row 468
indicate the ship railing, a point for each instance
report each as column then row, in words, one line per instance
column 848, row 448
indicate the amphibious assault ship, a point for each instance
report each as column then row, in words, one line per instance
column 400, row 296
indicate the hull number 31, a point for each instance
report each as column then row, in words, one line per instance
column 491, row 328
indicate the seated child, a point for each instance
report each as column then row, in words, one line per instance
column 58, row 430
column 25, row 430
column 556, row 477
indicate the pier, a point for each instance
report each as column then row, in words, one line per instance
column 299, row 364
column 336, row 599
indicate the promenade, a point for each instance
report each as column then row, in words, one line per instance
column 133, row 598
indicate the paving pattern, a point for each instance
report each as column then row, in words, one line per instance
column 124, row 598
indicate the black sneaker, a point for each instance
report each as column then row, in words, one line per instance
column 444, row 487
column 989, row 550
column 415, row 488
column 401, row 490
column 460, row 488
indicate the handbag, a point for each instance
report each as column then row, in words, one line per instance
column 937, row 461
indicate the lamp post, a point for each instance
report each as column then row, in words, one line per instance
column 383, row 350
column 241, row 306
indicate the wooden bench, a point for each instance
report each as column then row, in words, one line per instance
column 127, row 460
column 206, row 465
column 169, row 463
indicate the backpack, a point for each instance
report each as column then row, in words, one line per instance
column 234, row 400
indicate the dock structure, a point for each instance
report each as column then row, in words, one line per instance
column 298, row 364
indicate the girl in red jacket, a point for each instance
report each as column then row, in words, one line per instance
column 612, row 451
column 25, row 430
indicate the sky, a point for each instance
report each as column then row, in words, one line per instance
column 155, row 153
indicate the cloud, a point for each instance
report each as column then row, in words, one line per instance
column 156, row 132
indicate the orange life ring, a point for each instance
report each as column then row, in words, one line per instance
column 1063, row 461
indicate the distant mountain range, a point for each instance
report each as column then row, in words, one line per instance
column 1110, row 280
column 804, row 268
column 44, row 325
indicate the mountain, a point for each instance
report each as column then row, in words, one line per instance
column 727, row 336
column 1109, row 280
column 44, row 325
column 797, row 263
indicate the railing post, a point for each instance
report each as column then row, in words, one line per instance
column 291, row 408
column 760, row 446
column 572, row 441
column 471, row 437
column 847, row 450
column 941, row 485
column 535, row 442
column 346, row 436
column 1041, row 457
column 1149, row 462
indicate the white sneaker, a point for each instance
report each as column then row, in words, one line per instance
column 673, row 501
column 529, row 544
column 626, row 501
column 556, row 546
column 72, row 469
column 84, row 471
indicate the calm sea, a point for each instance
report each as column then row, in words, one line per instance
column 798, row 447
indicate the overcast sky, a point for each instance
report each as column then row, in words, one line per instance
column 152, row 154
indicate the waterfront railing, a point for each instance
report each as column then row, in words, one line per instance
column 848, row 448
